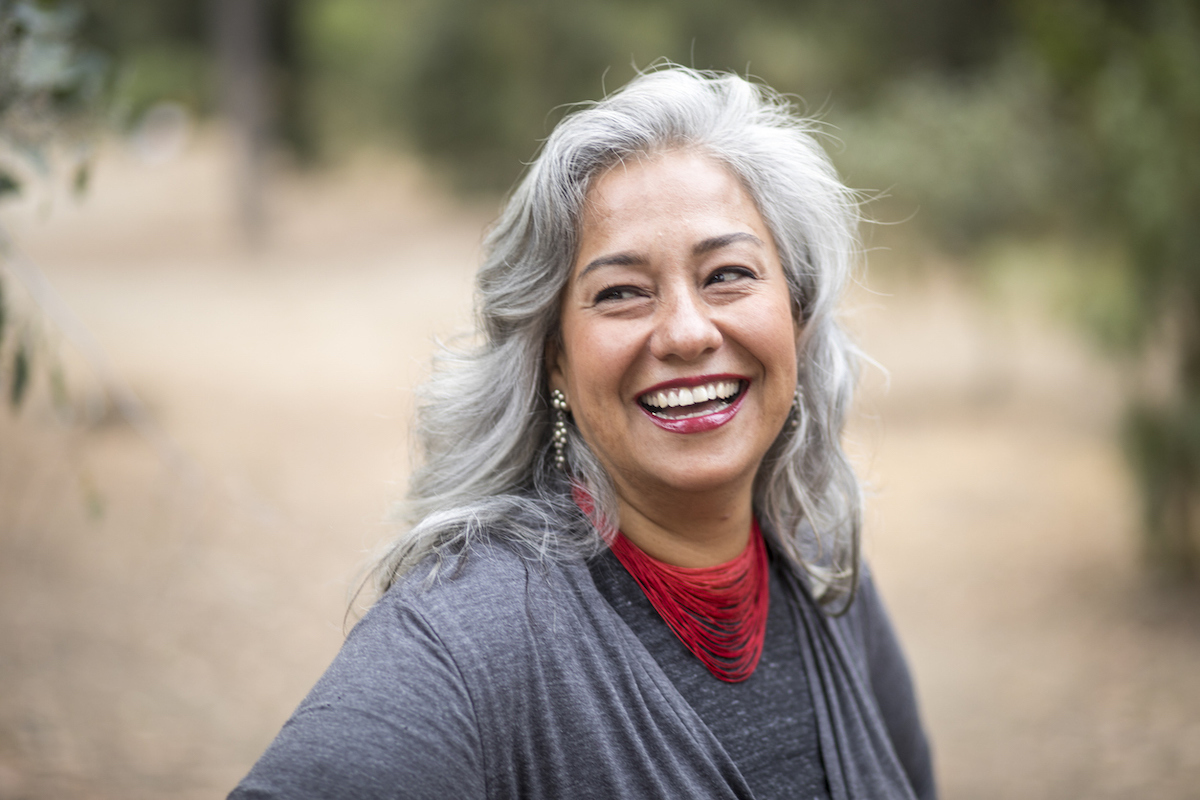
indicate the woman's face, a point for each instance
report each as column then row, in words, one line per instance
column 678, row 352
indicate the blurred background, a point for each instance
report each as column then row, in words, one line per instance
column 231, row 230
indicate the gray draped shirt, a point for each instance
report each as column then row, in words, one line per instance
column 508, row 678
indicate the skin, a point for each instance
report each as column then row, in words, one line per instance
column 677, row 276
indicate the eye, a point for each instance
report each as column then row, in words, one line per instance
column 613, row 293
column 730, row 275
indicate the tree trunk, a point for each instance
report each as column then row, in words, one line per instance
column 239, row 30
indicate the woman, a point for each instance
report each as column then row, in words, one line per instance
column 633, row 569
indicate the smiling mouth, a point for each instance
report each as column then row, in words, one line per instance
column 693, row 401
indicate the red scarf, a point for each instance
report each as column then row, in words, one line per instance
column 719, row 613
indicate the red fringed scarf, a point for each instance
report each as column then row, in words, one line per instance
column 719, row 613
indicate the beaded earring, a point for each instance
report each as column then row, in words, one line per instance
column 559, row 401
column 796, row 401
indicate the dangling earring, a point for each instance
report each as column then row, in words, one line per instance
column 559, row 437
column 796, row 401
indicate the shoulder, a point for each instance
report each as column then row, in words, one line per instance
column 490, row 581
column 415, row 686
column 425, row 679
column 483, row 608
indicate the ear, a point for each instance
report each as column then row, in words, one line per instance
column 798, row 320
column 799, row 323
column 556, row 363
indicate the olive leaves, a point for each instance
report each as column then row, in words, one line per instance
column 52, row 91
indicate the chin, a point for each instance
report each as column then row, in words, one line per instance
column 701, row 480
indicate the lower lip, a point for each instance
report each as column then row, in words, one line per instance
column 707, row 422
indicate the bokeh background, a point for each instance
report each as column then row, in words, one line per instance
column 233, row 230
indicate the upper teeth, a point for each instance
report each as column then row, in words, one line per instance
column 672, row 398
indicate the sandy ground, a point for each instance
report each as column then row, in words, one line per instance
column 164, row 604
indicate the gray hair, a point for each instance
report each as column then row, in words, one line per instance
column 484, row 423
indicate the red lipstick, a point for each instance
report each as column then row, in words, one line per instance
column 695, row 380
column 705, row 422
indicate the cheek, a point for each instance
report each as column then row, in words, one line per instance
column 784, row 335
column 600, row 361
column 774, row 346
column 772, row 334
column 598, row 358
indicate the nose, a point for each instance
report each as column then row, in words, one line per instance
column 684, row 328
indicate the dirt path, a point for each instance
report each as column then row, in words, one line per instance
column 160, row 622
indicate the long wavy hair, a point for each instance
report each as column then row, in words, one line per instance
column 484, row 418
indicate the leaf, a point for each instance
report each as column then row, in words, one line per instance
column 20, row 376
column 94, row 503
column 8, row 184
column 35, row 154
column 81, row 179
column 90, row 495
column 93, row 500
column 60, row 396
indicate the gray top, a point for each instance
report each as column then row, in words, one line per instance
column 504, row 678
column 766, row 722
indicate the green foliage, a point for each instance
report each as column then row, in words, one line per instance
column 166, row 54
column 474, row 84
column 161, row 48
column 983, row 122
column 60, row 395
column 485, row 87
column 81, row 178
column 52, row 91
column 157, row 73
column 358, row 53
column 19, row 375
column 967, row 159
column 51, row 88
column 1127, row 80
column 471, row 84
column 1108, row 305
column 1163, row 445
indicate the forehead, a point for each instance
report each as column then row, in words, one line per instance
column 646, row 178
column 676, row 192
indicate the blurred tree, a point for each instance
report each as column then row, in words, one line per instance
column 472, row 84
column 242, row 58
column 485, row 75
column 996, row 119
column 162, row 49
column 489, row 78
column 1126, row 77
column 967, row 158
column 51, row 93
column 167, row 52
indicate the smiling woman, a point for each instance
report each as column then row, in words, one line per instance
column 632, row 567
column 677, row 288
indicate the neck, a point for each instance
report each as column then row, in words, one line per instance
column 700, row 530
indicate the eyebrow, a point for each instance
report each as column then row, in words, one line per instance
column 717, row 242
column 615, row 260
column 706, row 246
